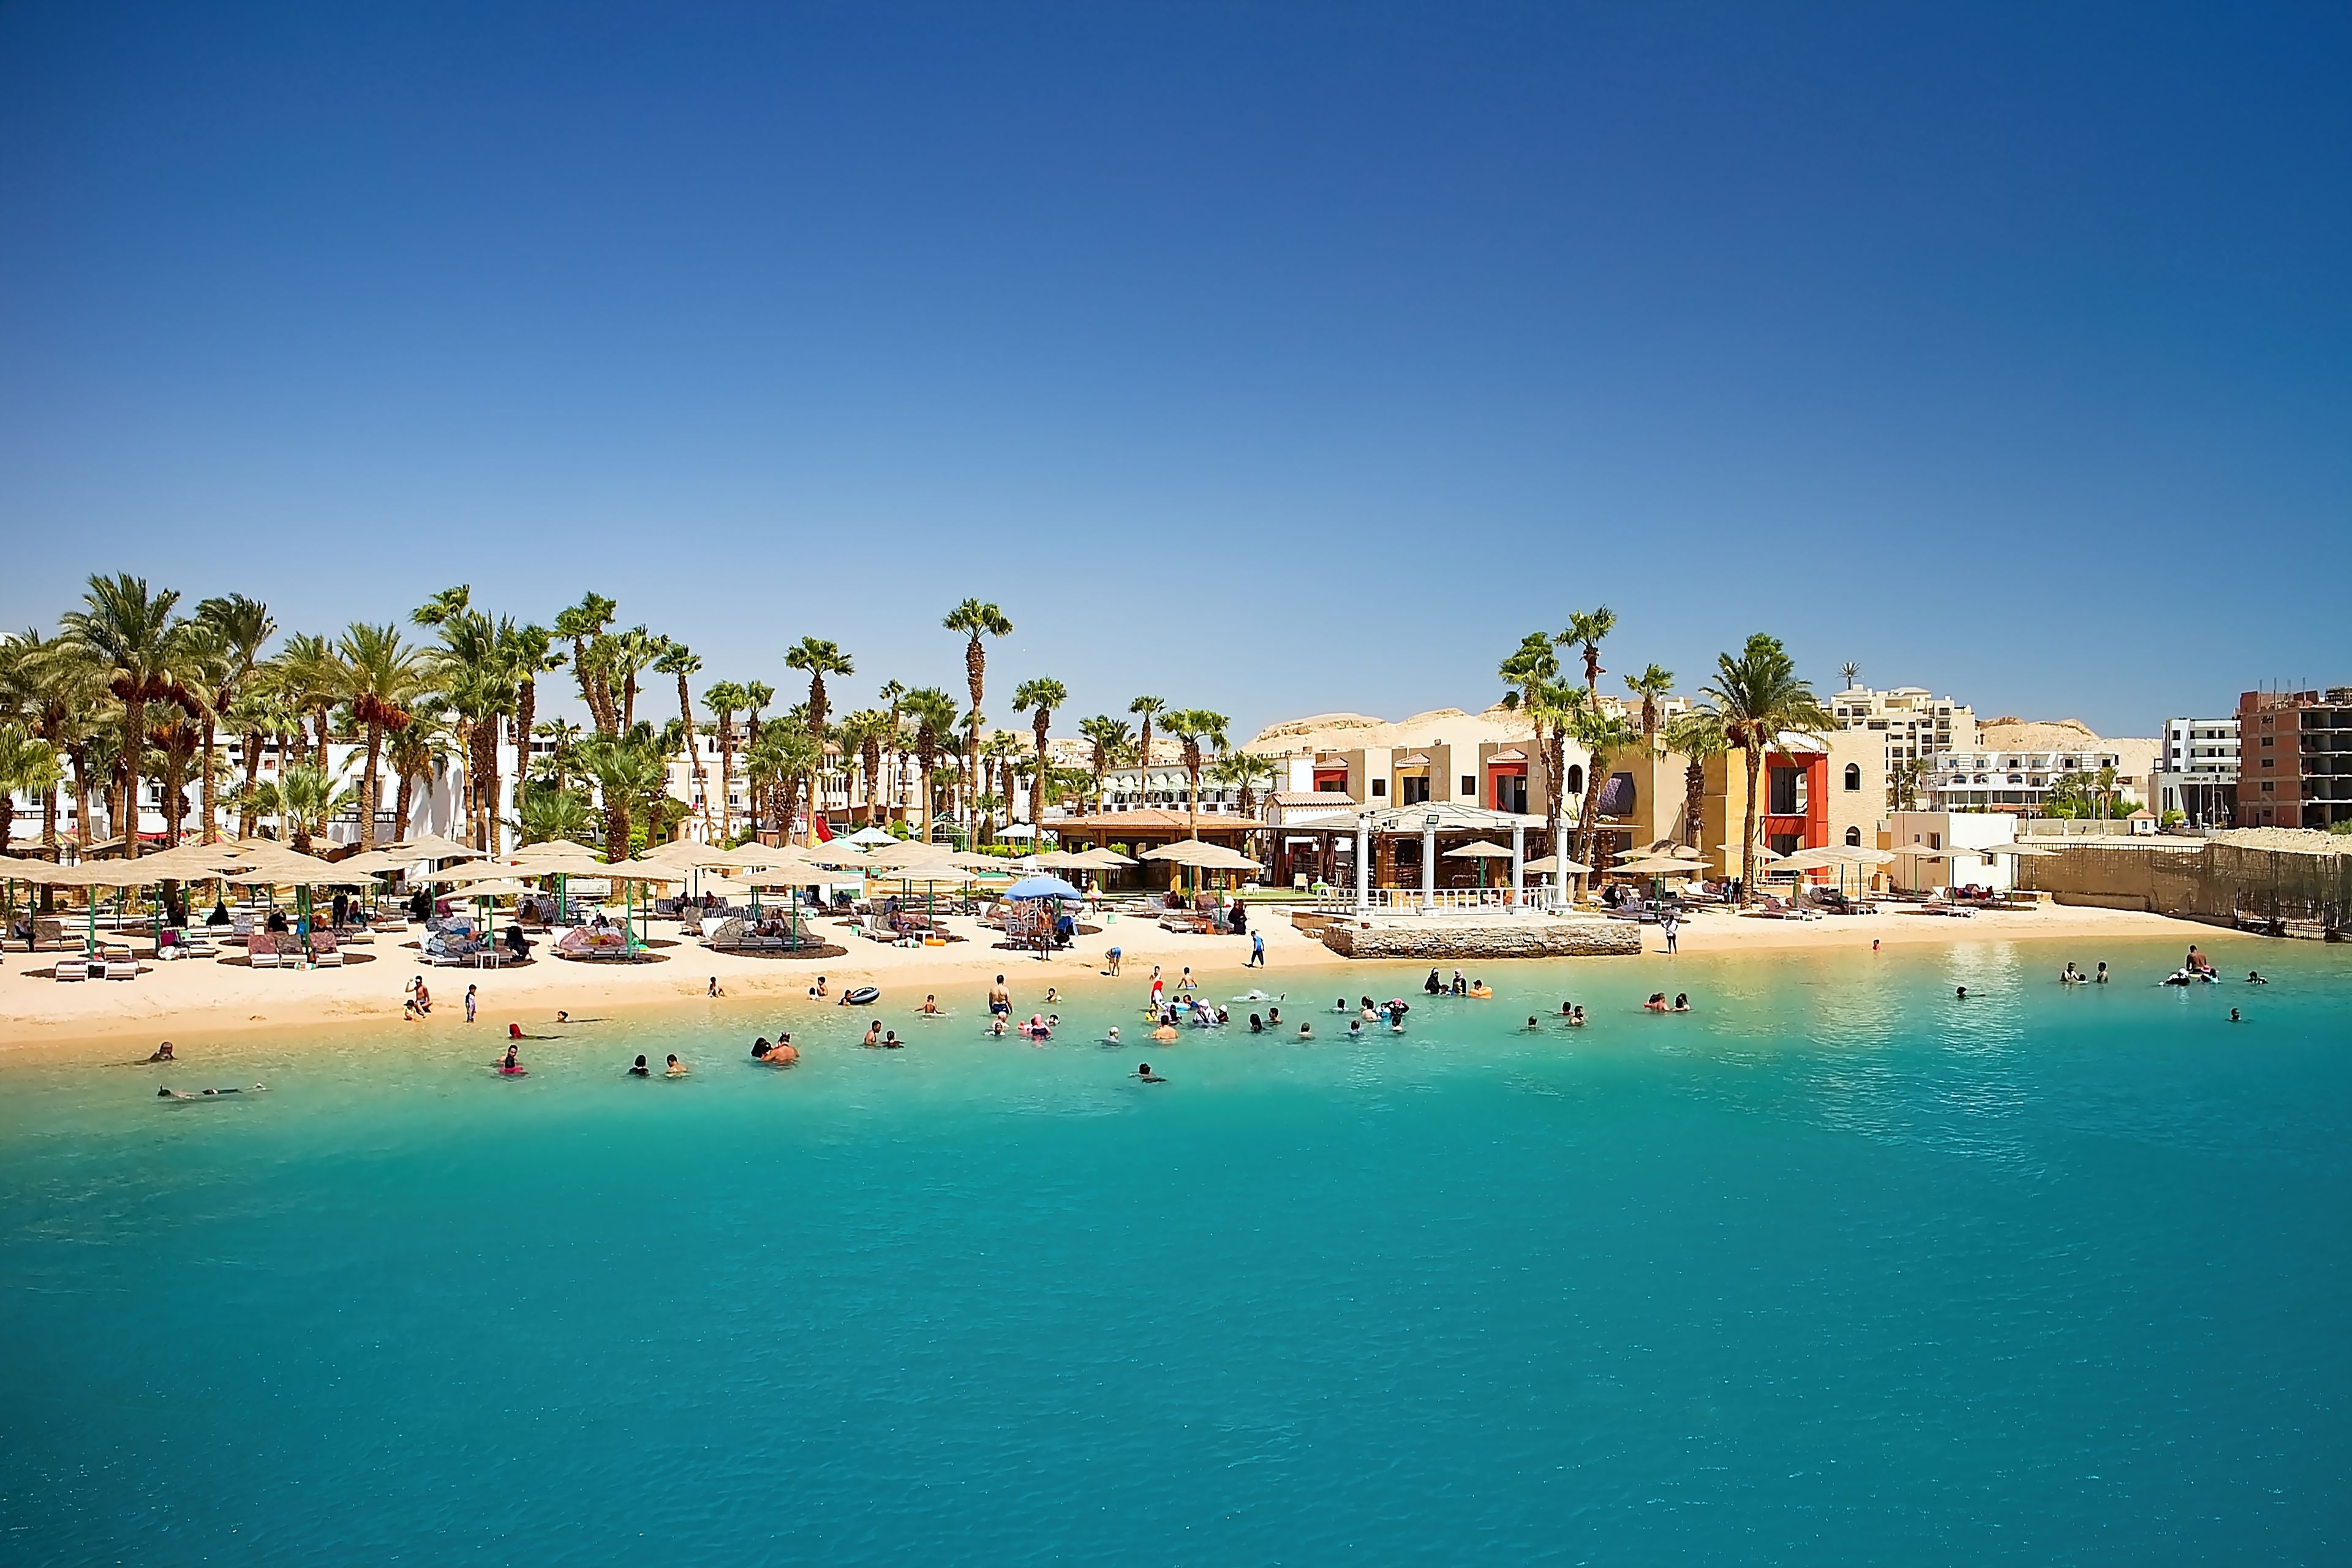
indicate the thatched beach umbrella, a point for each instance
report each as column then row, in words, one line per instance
column 1480, row 851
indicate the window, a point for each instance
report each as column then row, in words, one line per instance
column 1469, row 790
column 1854, row 838
column 2266, row 786
column 1379, row 787
column 1511, row 792
column 1854, row 776
column 1413, row 790
column 1575, row 778
column 1786, row 791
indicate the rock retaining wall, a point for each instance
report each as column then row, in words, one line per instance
column 1440, row 941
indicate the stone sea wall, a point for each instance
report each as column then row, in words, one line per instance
column 1442, row 941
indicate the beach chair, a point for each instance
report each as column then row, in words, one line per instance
column 119, row 964
column 324, row 950
column 261, row 950
column 72, row 966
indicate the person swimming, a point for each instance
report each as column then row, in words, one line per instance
column 1355, row 1028
column 2254, row 977
column 780, row 1054
column 1306, row 1031
column 1143, row 1071
column 2101, row 978
column 1959, row 992
column 1682, row 1002
column 1163, row 1033
column 2233, row 1016
column 930, row 1005
column 676, row 1068
column 1534, row 1022
column 1657, row 1004
column 1433, row 985
column 203, row 1093
column 164, row 1053
column 891, row 1042
column 873, row 1034
column 1576, row 1019
column 1053, row 995
column 997, row 1028
column 1257, row 1025
column 638, row 1068
column 2070, row 975
column 1480, row 991
column 562, row 1016
column 1274, row 1017
column 1567, row 1010
column 1111, row 1039
column 512, row 1066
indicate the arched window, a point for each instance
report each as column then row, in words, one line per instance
column 1854, row 776
column 1575, row 778
column 1854, row 838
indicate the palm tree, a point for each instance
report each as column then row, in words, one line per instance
column 543, row 813
column 419, row 753
column 818, row 657
column 1555, row 707
column 1850, row 670
column 998, row 754
column 311, row 678
column 382, row 677
column 1602, row 734
column 240, row 628
column 1042, row 695
column 679, row 660
column 758, row 698
column 1109, row 738
column 862, row 734
column 144, row 648
column 1756, row 698
column 629, row 655
column 1902, row 780
column 976, row 621
column 891, row 695
column 532, row 653
column 1531, row 667
column 304, row 796
column 1243, row 771
column 784, row 759
column 934, row 715
column 1196, row 727
column 1587, row 629
column 626, row 768
column 583, row 625
column 1649, row 686
column 1144, row 709
column 26, row 764
column 1698, row 737
column 721, row 700
column 56, row 690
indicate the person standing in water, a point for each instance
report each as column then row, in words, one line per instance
column 469, row 1004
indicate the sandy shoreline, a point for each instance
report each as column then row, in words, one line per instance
column 200, row 1000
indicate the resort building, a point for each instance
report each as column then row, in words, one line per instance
column 2016, row 763
column 1817, row 791
column 2295, row 760
column 1961, row 836
column 1914, row 724
column 2197, row 772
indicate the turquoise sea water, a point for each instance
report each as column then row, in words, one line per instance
column 1835, row 1269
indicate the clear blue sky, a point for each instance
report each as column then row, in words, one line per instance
column 1276, row 359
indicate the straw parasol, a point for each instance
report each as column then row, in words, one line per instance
column 553, row 849
column 1478, row 849
column 2022, row 852
column 381, row 863
column 1765, row 854
column 1059, row 861
column 1812, row 860
column 906, row 852
column 1661, row 865
column 867, row 837
column 1550, row 863
column 497, row 888
column 434, row 847
column 1099, row 859
column 1203, row 856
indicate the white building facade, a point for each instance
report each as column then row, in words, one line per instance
column 2197, row 771
column 1917, row 725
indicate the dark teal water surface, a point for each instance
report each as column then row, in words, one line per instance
column 1835, row 1269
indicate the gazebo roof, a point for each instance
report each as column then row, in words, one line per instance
column 1452, row 817
column 1151, row 822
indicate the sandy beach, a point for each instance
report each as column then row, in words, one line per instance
column 199, row 1000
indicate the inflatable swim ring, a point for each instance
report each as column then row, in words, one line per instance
column 861, row 996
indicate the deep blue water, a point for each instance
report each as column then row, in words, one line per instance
column 1835, row 1269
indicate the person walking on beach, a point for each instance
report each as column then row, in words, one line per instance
column 1257, row 950
column 1111, row 958
column 1674, row 929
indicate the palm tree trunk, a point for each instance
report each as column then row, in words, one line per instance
column 50, row 821
column 694, row 756
column 616, row 828
column 134, row 732
column 490, row 779
column 404, row 798
column 248, row 819
column 370, row 787
column 1755, row 757
column 210, row 828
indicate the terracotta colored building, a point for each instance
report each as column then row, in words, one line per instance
column 2295, row 757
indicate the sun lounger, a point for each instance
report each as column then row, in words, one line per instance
column 119, row 965
column 324, row 953
column 74, row 966
column 261, row 950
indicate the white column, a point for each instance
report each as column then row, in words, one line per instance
column 1519, row 859
column 1560, row 874
column 1364, row 866
column 1428, row 867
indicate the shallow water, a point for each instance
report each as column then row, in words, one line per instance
column 1835, row 1269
